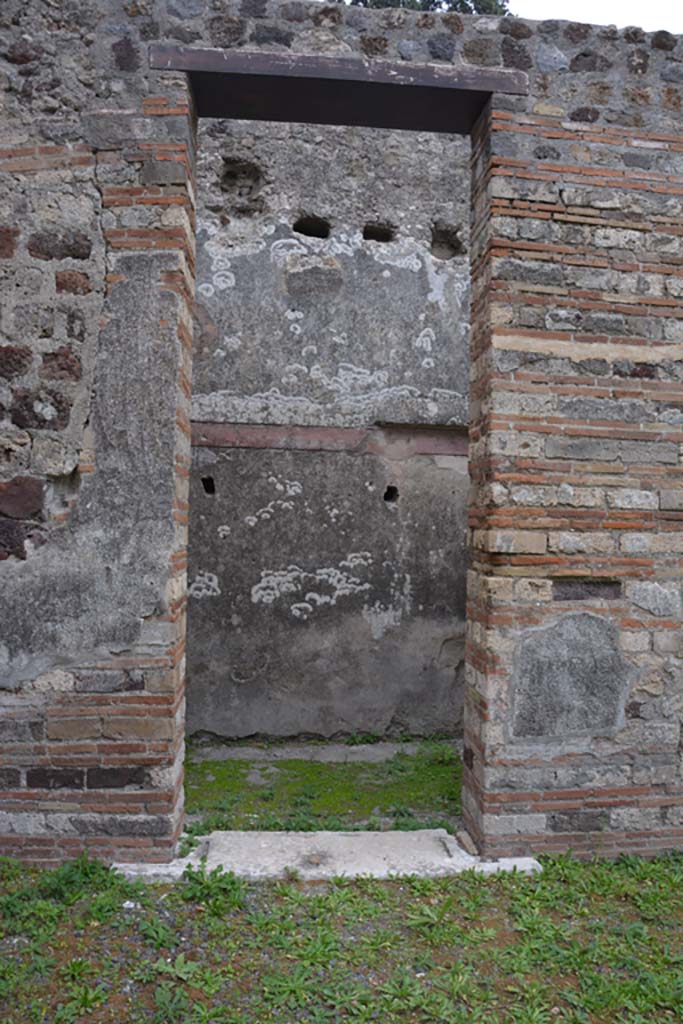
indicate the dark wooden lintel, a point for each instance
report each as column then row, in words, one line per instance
column 336, row 90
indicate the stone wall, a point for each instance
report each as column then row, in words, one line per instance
column 97, row 278
column 575, row 681
column 361, row 627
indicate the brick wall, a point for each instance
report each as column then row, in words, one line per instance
column 576, row 521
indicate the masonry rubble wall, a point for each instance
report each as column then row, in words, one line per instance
column 574, row 675
column 97, row 279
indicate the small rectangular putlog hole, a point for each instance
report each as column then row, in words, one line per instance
column 209, row 485
column 446, row 241
column 379, row 232
column 586, row 590
column 314, row 227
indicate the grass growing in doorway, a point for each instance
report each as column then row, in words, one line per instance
column 408, row 791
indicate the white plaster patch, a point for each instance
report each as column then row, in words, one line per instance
column 56, row 681
column 335, row 513
column 205, row 584
column 289, row 488
column 338, row 339
column 350, row 379
column 301, row 610
column 225, row 279
column 45, row 410
column 218, row 250
column 324, row 586
column 292, row 372
column 401, row 255
column 425, row 340
column 273, row 406
column 268, row 511
column 447, row 286
column 383, row 617
column 281, row 250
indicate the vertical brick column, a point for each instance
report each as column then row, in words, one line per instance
column 93, row 743
column 575, row 685
column 150, row 234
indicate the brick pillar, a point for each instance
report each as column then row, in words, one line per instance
column 150, row 236
column 575, row 686
column 94, row 732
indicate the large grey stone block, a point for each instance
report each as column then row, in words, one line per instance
column 570, row 679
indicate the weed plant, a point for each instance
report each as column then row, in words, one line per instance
column 582, row 943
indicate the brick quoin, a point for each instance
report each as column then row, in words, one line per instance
column 572, row 707
column 585, row 524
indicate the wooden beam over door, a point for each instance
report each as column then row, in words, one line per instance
column 336, row 90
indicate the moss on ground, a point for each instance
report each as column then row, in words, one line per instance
column 407, row 791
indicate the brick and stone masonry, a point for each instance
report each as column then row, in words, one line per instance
column 97, row 265
column 575, row 677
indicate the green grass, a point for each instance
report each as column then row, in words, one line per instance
column 583, row 943
column 408, row 791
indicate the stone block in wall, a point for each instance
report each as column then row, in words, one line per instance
column 570, row 679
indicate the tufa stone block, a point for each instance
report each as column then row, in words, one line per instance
column 21, row 498
column 80, row 728
column 570, row 679
column 8, row 241
column 671, row 501
column 586, row 590
column 14, row 361
column 63, row 364
column 60, row 245
column 74, row 282
column 55, row 778
column 115, row 778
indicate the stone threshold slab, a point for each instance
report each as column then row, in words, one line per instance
column 322, row 753
column 321, row 856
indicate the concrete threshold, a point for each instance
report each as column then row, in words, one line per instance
column 320, row 856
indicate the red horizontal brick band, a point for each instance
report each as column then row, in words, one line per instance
column 395, row 442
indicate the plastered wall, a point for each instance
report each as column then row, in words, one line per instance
column 327, row 565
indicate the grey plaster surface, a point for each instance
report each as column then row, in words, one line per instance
column 342, row 330
column 316, row 606
column 317, row 856
column 94, row 590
